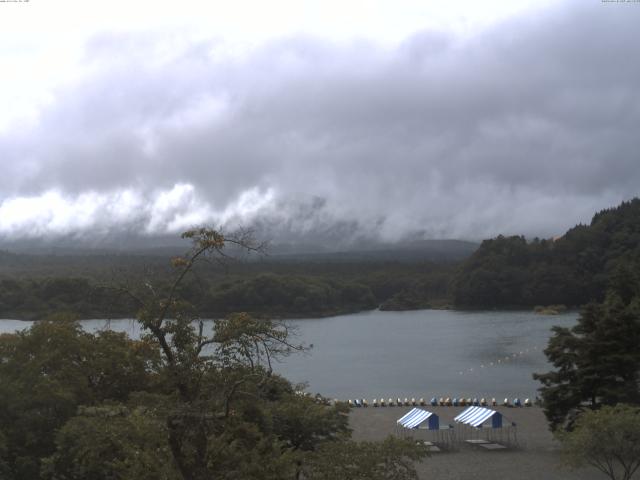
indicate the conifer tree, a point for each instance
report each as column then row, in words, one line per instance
column 597, row 362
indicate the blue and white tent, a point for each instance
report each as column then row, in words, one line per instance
column 428, row 424
column 477, row 416
column 488, row 423
column 417, row 417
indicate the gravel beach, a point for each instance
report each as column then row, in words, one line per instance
column 536, row 457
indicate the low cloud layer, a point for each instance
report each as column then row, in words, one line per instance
column 527, row 128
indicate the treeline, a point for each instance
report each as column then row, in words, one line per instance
column 405, row 276
column 264, row 294
column 505, row 272
column 572, row 270
column 283, row 291
column 36, row 298
column 289, row 295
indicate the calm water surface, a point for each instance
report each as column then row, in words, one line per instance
column 421, row 353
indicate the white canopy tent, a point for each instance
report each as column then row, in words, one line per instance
column 490, row 422
column 477, row 416
column 416, row 417
column 429, row 422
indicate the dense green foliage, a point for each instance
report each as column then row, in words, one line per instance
column 176, row 405
column 289, row 295
column 36, row 297
column 262, row 288
column 425, row 291
column 263, row 294
column 596, row 362
column 51, row 369
column 570, row 270
column 608, row 439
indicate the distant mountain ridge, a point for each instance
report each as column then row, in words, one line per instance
column 424, row 250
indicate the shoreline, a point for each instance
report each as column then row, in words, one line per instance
column 31, row 318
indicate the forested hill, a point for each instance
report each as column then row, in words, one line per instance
column 281, row 284
column 572, row 270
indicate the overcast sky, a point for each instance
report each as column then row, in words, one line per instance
column 330, row 121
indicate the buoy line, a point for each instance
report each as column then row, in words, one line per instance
column 501, row 360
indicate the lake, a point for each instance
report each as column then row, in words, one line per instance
column 421, row 353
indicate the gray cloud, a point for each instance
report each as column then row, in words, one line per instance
column 527, row 128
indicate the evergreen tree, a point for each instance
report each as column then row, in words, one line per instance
column 572, row 269
column 597, row 362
